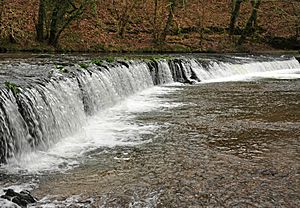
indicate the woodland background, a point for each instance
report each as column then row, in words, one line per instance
column 149, row 25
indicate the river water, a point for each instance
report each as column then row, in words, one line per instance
column 226, row 143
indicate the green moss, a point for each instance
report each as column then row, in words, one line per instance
column 147, row 58
column 62, row 69
column 83, row 65
column 13, row 87
column 110, row 59
column 159, row 57
column 97, row 62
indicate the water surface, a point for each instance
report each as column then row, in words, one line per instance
column 230, row 144
column 230, row 141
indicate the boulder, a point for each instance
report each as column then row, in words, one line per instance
column 22, row 199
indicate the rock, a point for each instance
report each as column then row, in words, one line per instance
column 22, row 199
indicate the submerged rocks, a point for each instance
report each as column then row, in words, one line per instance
column 21, row 199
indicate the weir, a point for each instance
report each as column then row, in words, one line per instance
column 40, row 103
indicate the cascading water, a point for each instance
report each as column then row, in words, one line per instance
column 38, row 108
column 37, row 115
column 215, row 70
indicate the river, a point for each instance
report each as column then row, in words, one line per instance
column 225, row 142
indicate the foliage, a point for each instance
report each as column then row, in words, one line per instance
column 10, row 24
column 83, row 65
column 145, row 26
column 97, row 62
column 13, row 87
column 110, row 59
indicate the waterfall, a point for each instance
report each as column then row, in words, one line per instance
column 208, row 70
column 42, row 104
column 41, row 113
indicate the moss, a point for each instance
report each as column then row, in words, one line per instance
column 97, row 62
column 121, row 59
column 62, row 69
column 13, row 87
column 110, row 59
column 159, row 57
column 83, row 65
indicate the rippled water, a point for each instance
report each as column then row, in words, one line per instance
column 223, row 144
column 230, row 144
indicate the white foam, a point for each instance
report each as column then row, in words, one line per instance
column 226, row 72
column 278, row 74
column 111, row 127
column 72, row 201
column 7, row 204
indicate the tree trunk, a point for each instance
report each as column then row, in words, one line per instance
column 296, row 14
column 123, row 20
column 155, row 26
column 122, row 25
column 169, row 21
column 1, row 8
column 126, row 16
column 201, row 18
column 41, row 21
column 251, row 23
column 53, row 27
column 234, row 15
column 2, row 2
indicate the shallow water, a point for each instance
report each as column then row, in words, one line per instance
column 230, row 144
column 216, row 144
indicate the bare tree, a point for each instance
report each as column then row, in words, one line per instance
column 41, row 21
column 251, row 24
column 236, row 6
column 171, row 6
column 55, row 16
column 2, row 2
column 201, row 19
column 295, row 16
column 122, row 11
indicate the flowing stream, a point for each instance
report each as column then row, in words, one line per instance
column 180, row 131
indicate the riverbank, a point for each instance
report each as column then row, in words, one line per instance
column 127, row 47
